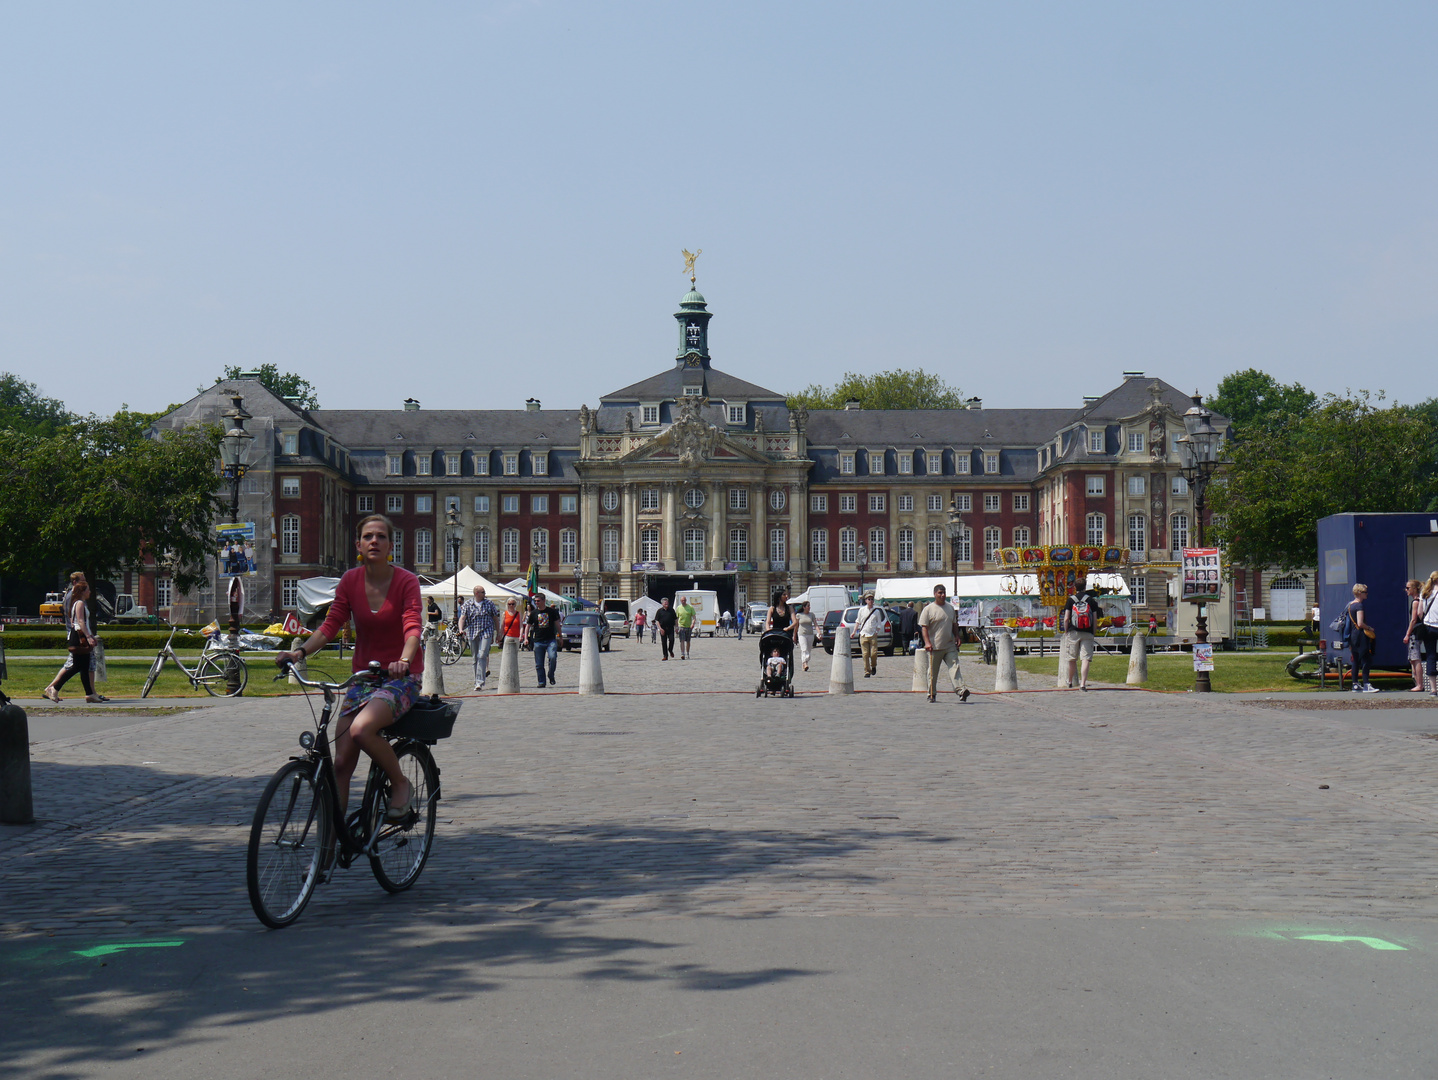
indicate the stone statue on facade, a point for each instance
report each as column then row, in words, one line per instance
column 629, row 421
column 586, row 420
column 798, row 420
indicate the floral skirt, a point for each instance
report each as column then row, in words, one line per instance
column 401, row 695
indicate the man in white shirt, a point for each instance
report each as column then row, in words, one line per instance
column 867, row 625
column 937, row 623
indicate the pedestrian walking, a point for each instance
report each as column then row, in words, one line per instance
column 1411, row 636
column 1078, row 622
column 739, row 623
column 805, row 619
column 1428, row 628
column 1360, row 641
column 66, row 602
column 869, row 622
column 512, row 625
column 908, row 626
column 639, row 620
column 779, row 617
column 664, row 624
column 476, row 622
column 80, row 640
column 542, row 631
column 688, row 619
column 937, row 624
column 433, row 616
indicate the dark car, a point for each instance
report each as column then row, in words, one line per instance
column 571, row 629
column 849, row 617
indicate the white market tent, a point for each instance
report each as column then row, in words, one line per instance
column 981, row 586
column 520, row 587
column 468, row 579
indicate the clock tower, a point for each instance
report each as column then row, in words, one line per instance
column 693, row 317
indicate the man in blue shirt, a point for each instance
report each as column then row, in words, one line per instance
column 476, row 621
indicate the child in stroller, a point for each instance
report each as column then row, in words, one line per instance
column 776, row 664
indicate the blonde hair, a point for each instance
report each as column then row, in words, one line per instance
column 1360, row 589
column 1431, row 583
column 1414, row 583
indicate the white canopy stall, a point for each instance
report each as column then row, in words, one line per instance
column 983, row 599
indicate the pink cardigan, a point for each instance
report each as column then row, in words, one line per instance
column 379, row 635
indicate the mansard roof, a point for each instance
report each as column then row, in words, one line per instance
column 946, row 427
column 450, row 428
column 1131, row 397
column 718, row 385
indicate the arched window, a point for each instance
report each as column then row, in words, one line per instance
column 906, row 546
column 609, row 548
column 1137, row 533
column 848, row 545
column 539, row 546
column 290, row 534
column 778, row 549
column 648, row 545
column 936, row 548
column 819, row 547
column 1021, row 536
column 1178, row 531
column 509, row 547
column 993, row 540
column 878, row 553
column 1094, row 531
column 568, row 546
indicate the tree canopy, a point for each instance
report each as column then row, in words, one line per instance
column 102, row 492
column 1345, row 455
column 23, row 409
column 898, row 389
column 1251, row 399
column 282, row 384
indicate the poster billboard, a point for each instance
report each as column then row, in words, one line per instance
column 1202, row 657
column 236, row 542
column 1202, row 576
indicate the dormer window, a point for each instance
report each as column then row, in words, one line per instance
column 481, row 463
column 991, row 463
column 422, row 464
column 451, row 464
column 736, row 414
column 539, row 463
column 962, row 463
column 292, row 442
column 694, row 391
column 511, row 464
column 876, row 464
column 649, row 414
column 396, row 464
column 1095, row 442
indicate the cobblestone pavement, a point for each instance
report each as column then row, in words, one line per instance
column 679, row 793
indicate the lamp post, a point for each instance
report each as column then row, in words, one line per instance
column 1198, row 461
column 451, row 521
column 861, row 564
column 955, row 529
column 578, row 583
column 234, row 463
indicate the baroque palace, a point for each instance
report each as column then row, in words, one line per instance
column 693, row 475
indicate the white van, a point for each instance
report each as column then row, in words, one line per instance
column 823, row 599
column 706, row 603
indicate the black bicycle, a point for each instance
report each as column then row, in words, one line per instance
column 294, row 844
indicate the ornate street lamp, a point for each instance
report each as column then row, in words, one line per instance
column 955, row 529
column 861, row 564
column 578, row 583
column 451, row 521
column 1198, row 461
column 235, row 447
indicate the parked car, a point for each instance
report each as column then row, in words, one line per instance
column 618, row 622
column 849, row 617
column 571, row 630
column 755, row 616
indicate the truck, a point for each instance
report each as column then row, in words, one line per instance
column 706, row 603
column 1381, row 551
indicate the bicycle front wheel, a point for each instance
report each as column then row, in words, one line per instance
column 401, row 850
column 213, row 673
column 150, row 678
column 289, row 838
column 451, row 648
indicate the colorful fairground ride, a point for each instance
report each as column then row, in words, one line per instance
column 1051, row 573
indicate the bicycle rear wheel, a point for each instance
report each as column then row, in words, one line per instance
column 212, row 672
column 402, row 850
column 150, row 678
column 451, row 648
column 288, row 840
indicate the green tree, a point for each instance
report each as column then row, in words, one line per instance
column 1348, row 455
column 23, row 409
column 282, row 384
column 103, row 492
column 917, row 389
column 1252, row 399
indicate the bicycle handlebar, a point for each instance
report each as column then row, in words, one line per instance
column 375, row 671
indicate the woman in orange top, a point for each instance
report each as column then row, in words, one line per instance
column 383, row 600
column 513, row 622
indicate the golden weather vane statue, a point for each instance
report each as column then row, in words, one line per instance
column 689, row 258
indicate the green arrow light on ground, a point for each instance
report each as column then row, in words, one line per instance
column 110, row 950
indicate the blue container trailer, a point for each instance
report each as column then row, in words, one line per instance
column 1382, row 551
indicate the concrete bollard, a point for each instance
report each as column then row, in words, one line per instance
column 1138, row 660
column 841, row 674
column 920, row 685
column 509, row 666
column 433, row 668
column 591, row 678
column 17, row 806
column 300, row 666
column 1006, row 672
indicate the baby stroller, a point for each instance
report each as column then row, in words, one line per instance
column 769, row 682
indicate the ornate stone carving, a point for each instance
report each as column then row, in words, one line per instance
column 586, row 420
column 629, row 421
column 798, row 420
column 759, row 420
column 692, row 437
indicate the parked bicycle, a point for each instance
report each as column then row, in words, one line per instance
column 451, row 644
column 212, row 673
column 294, row 842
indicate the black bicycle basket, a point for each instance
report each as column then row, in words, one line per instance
column 431, row 719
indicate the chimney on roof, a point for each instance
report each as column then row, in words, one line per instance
column 1087, row 401
column 531, row 404
column 974, row 403
column 1133, row 374
column 411, row 405
column 294, row 399
column 852, row 403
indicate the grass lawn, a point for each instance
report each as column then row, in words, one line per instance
column 1235, row 672
column 127, row 675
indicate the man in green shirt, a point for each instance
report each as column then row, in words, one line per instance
column 688, row 619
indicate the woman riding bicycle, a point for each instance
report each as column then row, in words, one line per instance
column 384, row 601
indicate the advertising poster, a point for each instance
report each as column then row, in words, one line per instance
column 970, row 612
column 237, row 549
column 1202, row 576
column 1203, row 658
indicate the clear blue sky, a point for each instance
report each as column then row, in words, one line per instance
column 477, row 203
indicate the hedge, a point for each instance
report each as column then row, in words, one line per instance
column 41, row 640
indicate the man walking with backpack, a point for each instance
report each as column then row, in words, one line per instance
column 1079, row 620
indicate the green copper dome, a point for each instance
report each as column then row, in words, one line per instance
column 693, row 296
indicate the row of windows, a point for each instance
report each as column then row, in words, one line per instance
column 906, row 462
column 1137, row 485
column 1096, row 531
column 424, row 504
column 450, row 465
